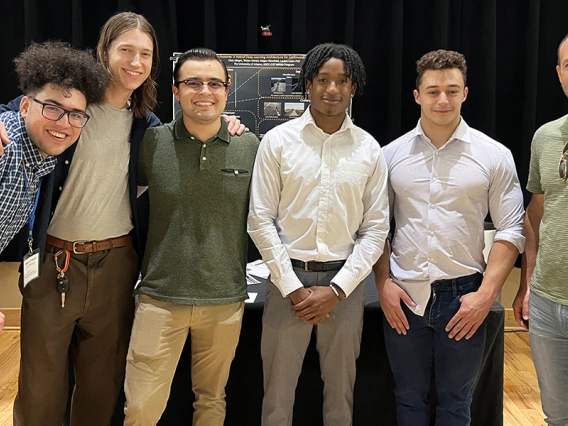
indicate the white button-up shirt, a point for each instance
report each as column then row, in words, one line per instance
column 440, row 198
column 319, row 197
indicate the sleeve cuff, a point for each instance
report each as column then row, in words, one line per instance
column 513, row 238
column 346, row 281
column 288, row 283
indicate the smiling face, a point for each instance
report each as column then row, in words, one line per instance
column 52, row 137
column 440, row 96
column 203, row 107
column 129, row 59
column 330, row 90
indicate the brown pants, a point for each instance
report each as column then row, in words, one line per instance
column 98, row 313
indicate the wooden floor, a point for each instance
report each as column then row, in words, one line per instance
column 522, row 398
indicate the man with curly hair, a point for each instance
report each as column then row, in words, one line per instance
column 444, row 178
column 58, row 83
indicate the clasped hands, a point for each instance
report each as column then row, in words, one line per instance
column 313, row 305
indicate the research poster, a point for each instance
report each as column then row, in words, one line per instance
column 263, row 90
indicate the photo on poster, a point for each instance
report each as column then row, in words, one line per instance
column 272, row 109
column 278, row 86
column 294, row 86
column 294, row 109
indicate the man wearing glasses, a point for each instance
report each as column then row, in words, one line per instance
column 544, row 264
column 193, row 271
column 58, row 82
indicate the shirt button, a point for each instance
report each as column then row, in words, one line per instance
column 436, row 153
column 431, row 259
column 204, row 158
column 61, row 188
column 39, row 163
column 432, row 206
column 431, row 233
column 66, row 161
column 27, row 164
column 236, row 172
column 192, row 138
column 204, row 145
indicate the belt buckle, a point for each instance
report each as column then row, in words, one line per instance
column 306, row 266
column 75, row 247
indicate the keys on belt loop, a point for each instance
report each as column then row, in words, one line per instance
column 62, row 280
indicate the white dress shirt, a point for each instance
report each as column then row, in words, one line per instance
column 319, row 197
column 440, row 198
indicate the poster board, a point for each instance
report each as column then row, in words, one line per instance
column 263, row 91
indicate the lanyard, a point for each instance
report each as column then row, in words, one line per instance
column 31, row 217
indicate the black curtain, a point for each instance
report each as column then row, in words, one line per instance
column 510, row 46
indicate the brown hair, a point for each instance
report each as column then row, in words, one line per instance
column 145, row 97
column 440, row 60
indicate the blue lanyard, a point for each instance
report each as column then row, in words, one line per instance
column 31, row 218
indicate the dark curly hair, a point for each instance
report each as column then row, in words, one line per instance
column 322, row 53
column 55, row 62
column 440, row 60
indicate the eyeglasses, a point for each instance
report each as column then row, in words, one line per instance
column 563, row 165
column 55, row 113
column 196, row 86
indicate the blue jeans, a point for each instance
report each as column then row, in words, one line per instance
column 548, row 332
column 456, row 364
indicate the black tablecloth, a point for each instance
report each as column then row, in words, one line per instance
column 374, row 402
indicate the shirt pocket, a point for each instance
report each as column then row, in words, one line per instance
column 235, row 182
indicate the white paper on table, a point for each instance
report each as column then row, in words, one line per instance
column 252, row 297
column 258, row 269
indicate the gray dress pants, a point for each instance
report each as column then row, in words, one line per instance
column 284, row 342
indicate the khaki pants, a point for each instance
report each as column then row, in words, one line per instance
column 158, row 337
column 98, row 314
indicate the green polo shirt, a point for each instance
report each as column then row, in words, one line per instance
column 549, row 279
column 199, row 197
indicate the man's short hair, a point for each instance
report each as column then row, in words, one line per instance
column 440, row 60
column 59, row 64
column 559, row 46
column 319, row 55
column 199, row 54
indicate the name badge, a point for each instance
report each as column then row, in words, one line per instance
column 31, row 267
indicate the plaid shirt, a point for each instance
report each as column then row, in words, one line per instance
column 15, row 205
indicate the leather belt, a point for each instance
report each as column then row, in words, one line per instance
column 335, row 265
column 82, row 247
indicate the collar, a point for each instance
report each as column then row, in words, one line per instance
column 462, row 132
column 307, row 119
column 181, row 132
